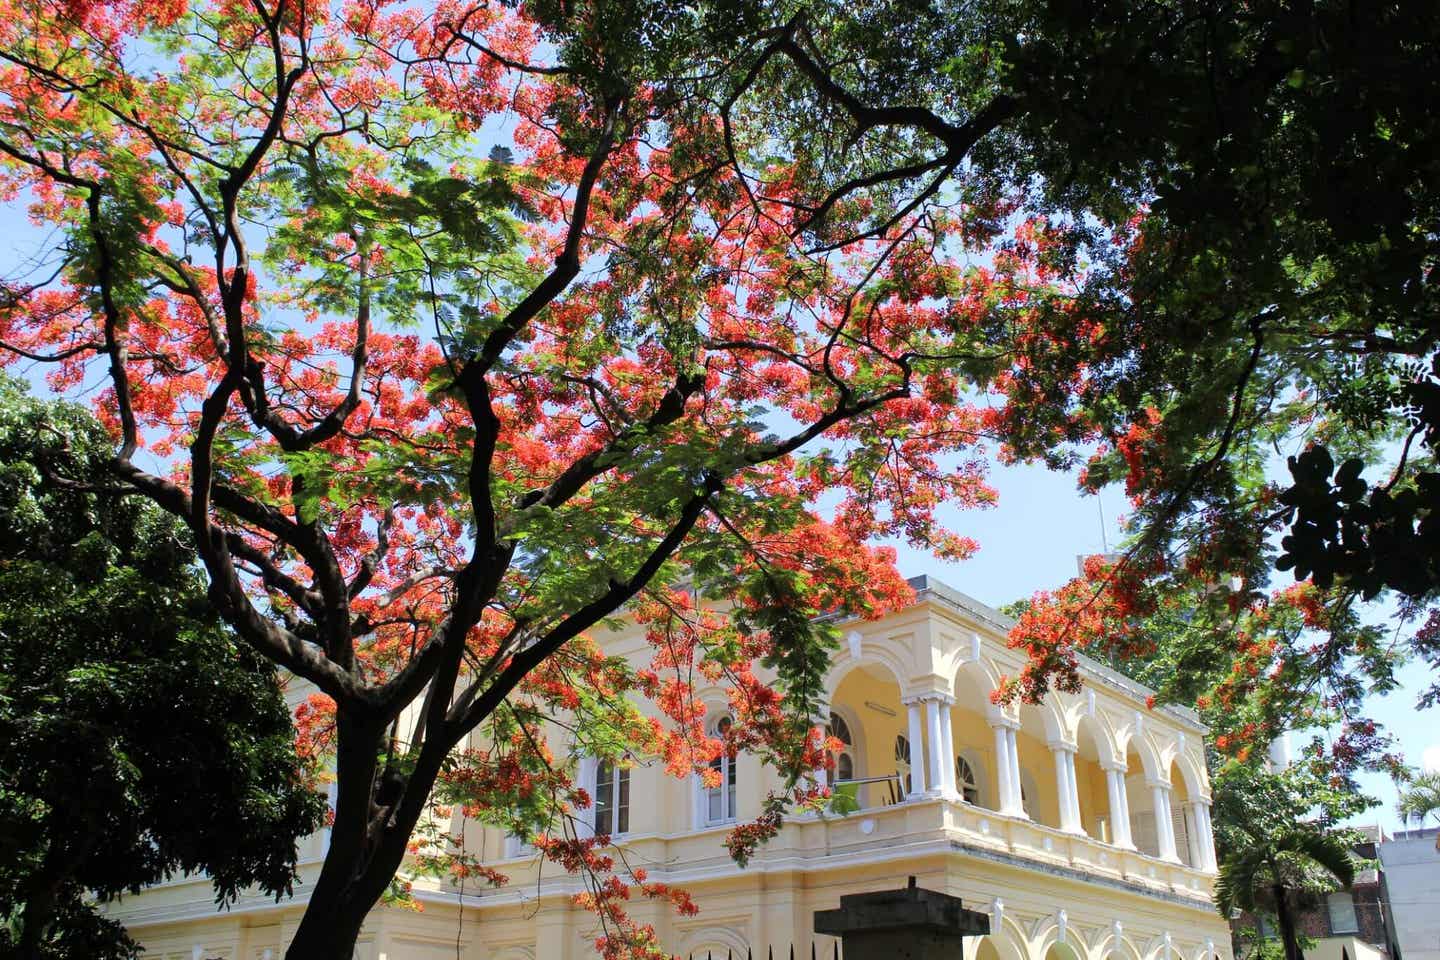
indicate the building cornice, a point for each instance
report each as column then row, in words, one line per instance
column 928, row 588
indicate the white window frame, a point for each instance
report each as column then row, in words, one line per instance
column 970, row 791
column 904, row 762
column 618, row 807
column 726, row 794
column 848, row 752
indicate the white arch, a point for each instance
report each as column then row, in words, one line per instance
column 1197, row 783
column 1149, row 758
column 1103, row 734
column 714, row 938
column 1051, row 719
column 1162, row 947
column 1010, row 939
column 1047, row 934
column 871, row 653
column 984, row 677
column 1119, row 947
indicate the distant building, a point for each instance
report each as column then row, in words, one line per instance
column 1344, row 923
column 1410, row 863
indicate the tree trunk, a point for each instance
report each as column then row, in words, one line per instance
column 328, row 930
column 1286, row 923
column 367, row 847
column 43, row 895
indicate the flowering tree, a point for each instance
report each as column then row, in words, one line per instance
column 453, row 330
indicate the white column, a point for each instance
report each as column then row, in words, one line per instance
column 1119, row 808
column 948, row 789
column 1007, row 765
column 917, row 752
column 1125, row 805
column 933, row 745
column 1065, row 786
column 1164, row 829
column 1204, row 836
column 1192, row 836
column 1075, row 792
column 1002, row 767
column 1017, row 793
column 822, row 774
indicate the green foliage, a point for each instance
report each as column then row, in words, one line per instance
column 1275, row 836
column 1420, row 797
column 1385, row 537
column 1299, row 858
column 137, row 737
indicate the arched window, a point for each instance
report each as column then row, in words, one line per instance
column 720, row 799
column 838, row 729
column 902, row 759
column 612, row 799
column 966, row 780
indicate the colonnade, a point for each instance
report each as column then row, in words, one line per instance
column 932, row 774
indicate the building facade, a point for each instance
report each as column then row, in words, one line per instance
column 1080, row 825
column 1348, row 924
column 1410, row 861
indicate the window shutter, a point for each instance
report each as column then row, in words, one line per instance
column 1180, row 823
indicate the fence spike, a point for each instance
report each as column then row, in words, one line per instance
column 792, row 951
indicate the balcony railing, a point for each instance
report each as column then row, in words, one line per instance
column 923, row 827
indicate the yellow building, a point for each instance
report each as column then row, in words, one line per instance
column 1081, row 825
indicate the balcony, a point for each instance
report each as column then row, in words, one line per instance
column 883, row 830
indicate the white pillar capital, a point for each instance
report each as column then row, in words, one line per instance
column 928, row 696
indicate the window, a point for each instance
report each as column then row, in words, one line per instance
column 612, row 799
column 902, row 760
column 1180, row 824
column 844, row 758
column 720, row 799
column 518, row 847
column 1341, row 906
column 966, row 780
